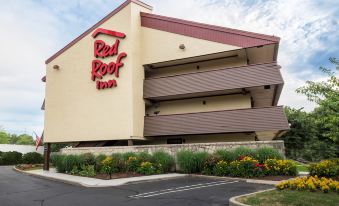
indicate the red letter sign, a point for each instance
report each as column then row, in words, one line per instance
column 102, row 50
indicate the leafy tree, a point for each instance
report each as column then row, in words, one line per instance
column 13, row 138
column 326, row 95
column 3, row 137
column 25, row 139
column 314, row 135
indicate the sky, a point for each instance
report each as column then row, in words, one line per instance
column 33, row 30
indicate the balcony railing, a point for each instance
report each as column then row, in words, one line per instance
column 214, row 82
column 226, row 121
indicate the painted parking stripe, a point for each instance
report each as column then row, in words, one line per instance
column 181, row 189
column 207, row 183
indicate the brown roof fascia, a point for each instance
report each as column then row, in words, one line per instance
column 119, row 8
column 274, row 39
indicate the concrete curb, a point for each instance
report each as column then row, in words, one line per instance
column 256, row 181
column 47, row 178
column 233, row 200
column 92, row 182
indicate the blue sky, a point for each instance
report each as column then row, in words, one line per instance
column 33, row 30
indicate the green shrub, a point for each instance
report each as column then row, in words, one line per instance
column 191, row 162
column 221, row 168
column 245, row 167
column 118, row 163
column 58, row 161
column 128, row 155
column 132, row 164
column 209, row 164
column 146, row 168
column 87, row 171
column 88, row 158
column 241, row 152
column 281, row 167
column 162, row 161
column 98, row 160
column 325, row 168
column 144, row 157
column 264, row 153
column 107, row 166
column 71, row 161
column 226, row 155
column 32, row 158
column 11, row 158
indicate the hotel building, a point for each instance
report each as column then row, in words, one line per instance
column 139, row 78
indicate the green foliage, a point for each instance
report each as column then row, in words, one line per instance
column 132, row 163
column 87, row 171
column 191, row 162
column 144, row 157
column 163, row 161
column 118, row 163
column 325, row 168
column 55, row 147
column 246, row 167
column 57, row 161
column 264, row 153
column 244, row 151
column 4, row 138
column 98, row 161
column 146, row 168
column 221, row 168
column 88, row 159
column 305, row 138
column 281, row 167
column 209, row 164
column 226, row 155
column 32, row 158
column 326, row 95
column 25, row 139
column 71, row 161
column 11, row 158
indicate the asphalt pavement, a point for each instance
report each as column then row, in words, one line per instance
column 17, row 189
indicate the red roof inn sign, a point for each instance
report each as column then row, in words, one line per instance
column 102, row 50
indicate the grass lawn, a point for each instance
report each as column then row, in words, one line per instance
column 302, row 168
column 292, row 198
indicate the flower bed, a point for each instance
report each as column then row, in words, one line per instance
column 242, row 162
column 114, row 166
column 311, row 183
column 325, row 168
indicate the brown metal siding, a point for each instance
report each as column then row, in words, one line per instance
column 207, row 32
column 212, row 81
column 242, row 120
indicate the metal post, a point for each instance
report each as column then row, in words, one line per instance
column 47, row 152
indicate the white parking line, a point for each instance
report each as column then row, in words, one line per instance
column 180, row 189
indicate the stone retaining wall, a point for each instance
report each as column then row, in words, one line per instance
column 174, row 148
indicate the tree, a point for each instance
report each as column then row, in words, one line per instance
column 25, row 139
column 3, row 137
column 13, row 138
column 326, row 95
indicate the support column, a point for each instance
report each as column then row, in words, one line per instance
column 130, row 142
column 47, row 152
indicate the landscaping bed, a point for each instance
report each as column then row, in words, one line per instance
column 26, row 167
column 291, row 198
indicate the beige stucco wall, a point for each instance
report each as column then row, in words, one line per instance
column 162, row 46
column 76, row 111
column 215, row 103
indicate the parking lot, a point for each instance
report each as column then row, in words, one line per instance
column 18, row 189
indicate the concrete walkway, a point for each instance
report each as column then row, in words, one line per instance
column 93, row 182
